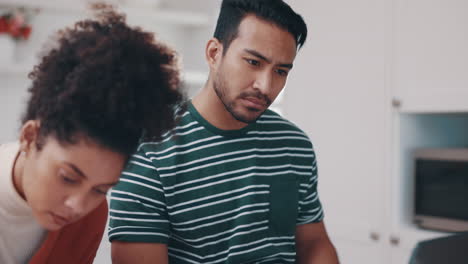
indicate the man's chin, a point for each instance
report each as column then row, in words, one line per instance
column 248, row 119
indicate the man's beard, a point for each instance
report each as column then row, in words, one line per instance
column 221, row 89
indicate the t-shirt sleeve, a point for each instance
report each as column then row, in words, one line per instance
column 137, row 204
column 310, row 208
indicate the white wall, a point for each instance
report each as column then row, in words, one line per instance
column 12, row 103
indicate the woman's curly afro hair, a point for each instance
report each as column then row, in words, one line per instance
column 107, row 81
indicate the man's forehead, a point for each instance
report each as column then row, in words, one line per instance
column 259, row 31
column 274, row 45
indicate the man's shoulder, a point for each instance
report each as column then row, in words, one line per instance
column 274, row 119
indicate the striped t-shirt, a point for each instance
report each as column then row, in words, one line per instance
column 217, row 196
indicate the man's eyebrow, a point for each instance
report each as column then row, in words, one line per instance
column 262, row 57
column 257, row 54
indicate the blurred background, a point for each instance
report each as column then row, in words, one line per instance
column 376, row 80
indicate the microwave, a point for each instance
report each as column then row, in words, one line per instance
column 441, row 189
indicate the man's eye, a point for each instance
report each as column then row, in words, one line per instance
column 282, row 72
column 253, row 62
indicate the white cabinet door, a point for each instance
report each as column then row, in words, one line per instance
column 431, row 55
column 353, row 252
column 336, row 93
column 400, row 255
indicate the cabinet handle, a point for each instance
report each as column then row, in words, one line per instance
column 396, row 102
column 394, row 240
column 374, row 236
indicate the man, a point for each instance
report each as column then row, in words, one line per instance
column 234, row 182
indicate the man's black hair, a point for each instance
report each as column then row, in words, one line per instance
column 276, row 11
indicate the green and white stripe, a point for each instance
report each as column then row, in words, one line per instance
column 217, row 196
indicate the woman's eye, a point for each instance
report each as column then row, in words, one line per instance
column 68, row 180
column 98, row 191
column 65, row 178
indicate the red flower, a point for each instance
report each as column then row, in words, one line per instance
column 3, row 25
column 14, row 24
column 26, row 31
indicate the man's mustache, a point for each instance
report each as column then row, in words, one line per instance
column 257, row 95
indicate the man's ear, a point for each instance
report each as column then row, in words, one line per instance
column 29, row 135
column 213, row 52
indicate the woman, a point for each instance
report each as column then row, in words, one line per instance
column 92, row 98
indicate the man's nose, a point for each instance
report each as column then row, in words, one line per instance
column 263, row 81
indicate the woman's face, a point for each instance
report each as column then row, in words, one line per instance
column 64, row 182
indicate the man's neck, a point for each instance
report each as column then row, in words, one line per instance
column 212, row 109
